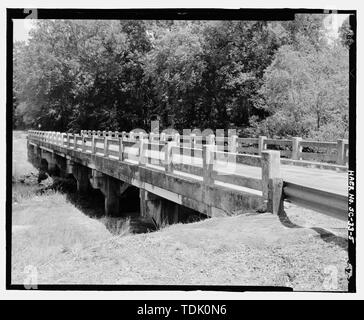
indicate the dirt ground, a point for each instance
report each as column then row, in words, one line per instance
column 303, row 250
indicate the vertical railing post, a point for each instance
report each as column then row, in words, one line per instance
column 207, row 163
column 131, row 136
column 271, row 173
column 141, row 159
column 168, row 157
column 193, row 140
column 83, row 146
column 93, row 144
column 106, row 146
column 210, row 139
column 233, row 144
column 340, row 152
column 346, row 151
column 121, row 149
column 261, row 144
column 162, row 137
column 296, row 148
column 177, row 138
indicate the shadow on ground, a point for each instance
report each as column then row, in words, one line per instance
column 324, row 234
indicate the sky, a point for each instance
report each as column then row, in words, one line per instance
column 22, row 27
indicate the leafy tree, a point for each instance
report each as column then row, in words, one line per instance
column 305, row 93
column 275, row 78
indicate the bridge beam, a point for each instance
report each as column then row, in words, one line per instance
column 111, row 188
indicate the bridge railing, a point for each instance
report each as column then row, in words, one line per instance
column 295, row 148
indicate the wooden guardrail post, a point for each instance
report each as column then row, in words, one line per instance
column 261, row 144
column 168, row 163
column 341, row 151
column 296, row 148
column 271, row 175
column 207, row 163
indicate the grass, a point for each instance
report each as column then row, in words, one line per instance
column 68, row 247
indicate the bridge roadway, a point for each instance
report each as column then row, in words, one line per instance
column 326, row 180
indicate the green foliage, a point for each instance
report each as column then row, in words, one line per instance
column 305, row 90
column 275, row 78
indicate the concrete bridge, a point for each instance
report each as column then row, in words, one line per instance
column 176, row 176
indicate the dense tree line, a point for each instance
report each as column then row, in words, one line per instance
column 273, row 78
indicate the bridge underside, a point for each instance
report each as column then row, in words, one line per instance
column 167, row 198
